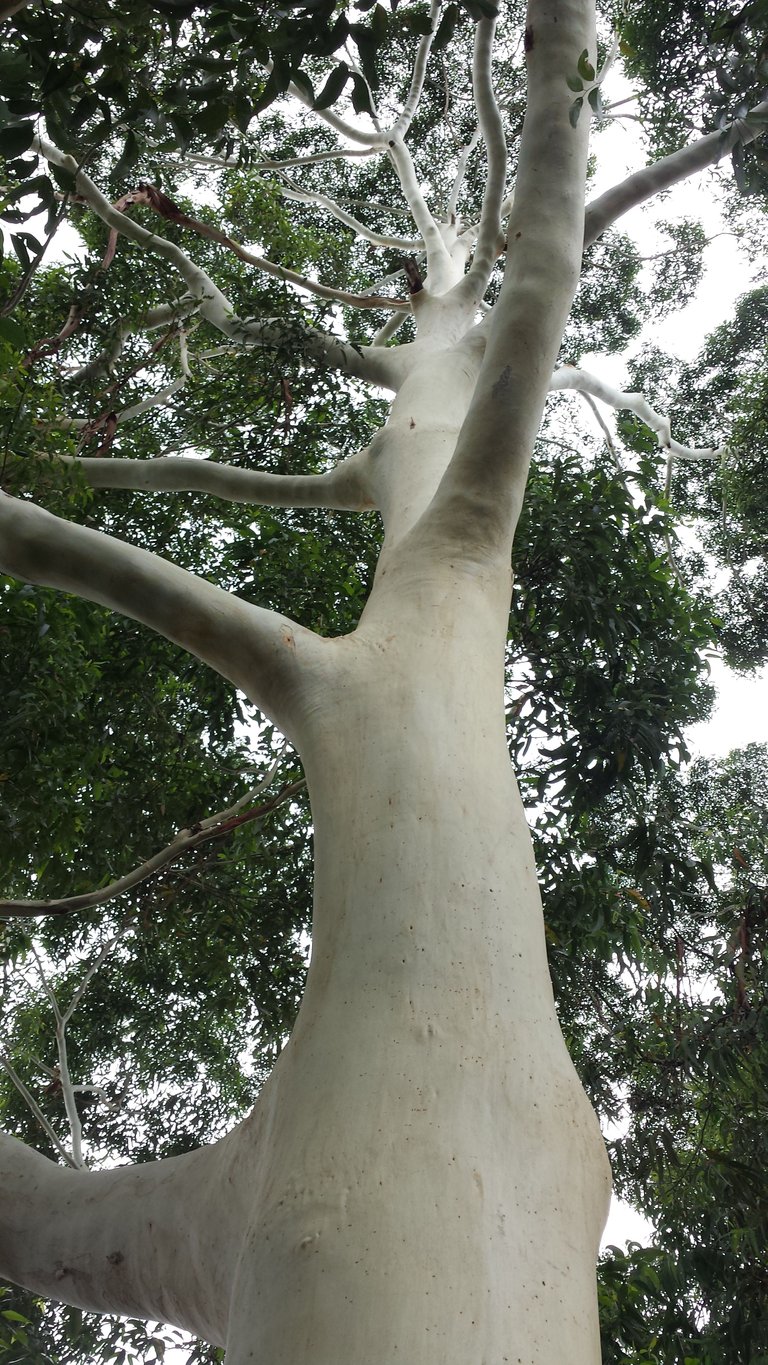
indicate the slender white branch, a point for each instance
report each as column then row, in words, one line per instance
column 91, row 970
column 375, row 139
column 153, row 400
column 652, row 180
column 440, row 270
column 606, row 432
column 571, row 377
column 386, row 332
column 68, row 1095
column 461, row 171
column 166, row 315
column 302, row 196
column 314, row 159
column 212, row 827
column 48, row 990
column 405, row 118
column 36, row 1111
column 68, row 1089
column 372, row 140
column 346, row 487
column 490, row 239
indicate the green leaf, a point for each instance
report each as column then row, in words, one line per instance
column 361, row 99
column 574, row 83
column 129, row 156
column 333, row 87
column 585, row 67
column 15, row 138
column 446, row 28
column 574, row 112
column 303, row 83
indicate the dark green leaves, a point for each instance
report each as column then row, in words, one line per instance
column 333, row 86
column 15, row 138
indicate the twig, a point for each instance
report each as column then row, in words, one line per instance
column 213, row 826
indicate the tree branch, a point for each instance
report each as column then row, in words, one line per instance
column 313, row 159
column 377, row 366
column 155, row 199
column 405, row 118
column 36, row 1111
column 479, row 499
column 461, row 171
column 214, row 826
column 108, row 1241
column 260, row 651
column 651, row 180
column 344, row 488
column 490, row 239
column 571, row 377
column 379, row 138
column 440, row 267
column 290, row 190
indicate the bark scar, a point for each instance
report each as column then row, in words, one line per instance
column 502, row 383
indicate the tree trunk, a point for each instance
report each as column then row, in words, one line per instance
column 432, row 1183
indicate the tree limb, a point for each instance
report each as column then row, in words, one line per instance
column 345, row 487
column 290, row 190
column 490, row 239
column 405, row 118
column 651, row 180
column 480, row 496
column 36, row 1111
column 260, row 651
column 155, row 199
column 375, row 139
column 571, row 377
column 461, row 170
column 439, row 264
column 378, row 366
column 108, row 1241
column 214, row 826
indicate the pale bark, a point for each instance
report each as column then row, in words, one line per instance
column 157, row 1241
column 435, row 1183
column 480, row 498
column 264, row 654
column 346, row 487
column 422, row 1179
column 670, row 170
column 581, row 381
column 489, row 237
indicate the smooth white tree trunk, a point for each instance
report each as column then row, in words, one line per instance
column 433, row 1184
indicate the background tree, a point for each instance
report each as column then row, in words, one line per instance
column 253, row 277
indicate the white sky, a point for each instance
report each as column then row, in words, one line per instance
column 741, row 712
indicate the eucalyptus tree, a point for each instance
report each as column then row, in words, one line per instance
column 422, row 1174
